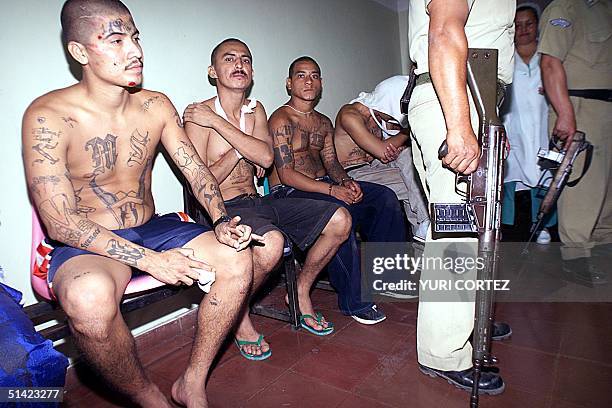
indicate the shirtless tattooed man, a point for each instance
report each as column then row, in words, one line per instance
column 306, row 166
column 88, row 151
column 232, row 138
column 372, row 141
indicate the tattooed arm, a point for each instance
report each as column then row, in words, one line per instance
column 256, row 148
column 223, row 167
column 45, row 140
column 335, row 169
column 203, row 183
column 352, row 122
column 329, row 158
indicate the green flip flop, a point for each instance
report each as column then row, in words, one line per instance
column 249, row 356
column 319, row 318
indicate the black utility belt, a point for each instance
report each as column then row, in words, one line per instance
column 425, row 78
column 599, row 94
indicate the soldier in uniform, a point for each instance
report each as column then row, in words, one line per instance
column 576, row 63
column 440, row 109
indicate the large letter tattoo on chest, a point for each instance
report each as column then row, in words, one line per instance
column 103, row 153
column 127, row 207
column 139, row 151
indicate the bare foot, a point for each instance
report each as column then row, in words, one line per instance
column 306, row 308
column 189, row 394
column 152, row 397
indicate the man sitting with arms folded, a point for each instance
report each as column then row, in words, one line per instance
column 232, row 138
column 372, row 146
column 307, row 166
column 88, row 151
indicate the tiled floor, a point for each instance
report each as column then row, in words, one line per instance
column 558, row 357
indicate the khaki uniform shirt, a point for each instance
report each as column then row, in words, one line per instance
column 579, row 33
column 490, row 24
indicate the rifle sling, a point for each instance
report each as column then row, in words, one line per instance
column 587, row 163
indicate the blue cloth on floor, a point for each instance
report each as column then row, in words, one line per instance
column 27, row 359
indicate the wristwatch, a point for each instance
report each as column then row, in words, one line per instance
column 220, row 220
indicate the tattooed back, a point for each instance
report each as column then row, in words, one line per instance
column 102, row 159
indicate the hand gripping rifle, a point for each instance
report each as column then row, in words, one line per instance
column 480, row 214
column 563, row 165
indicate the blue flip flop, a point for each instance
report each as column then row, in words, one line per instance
column 319, row 318
column 249, row 356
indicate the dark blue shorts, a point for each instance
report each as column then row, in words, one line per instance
column 160, row 233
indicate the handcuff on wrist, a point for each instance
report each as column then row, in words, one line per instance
column 221, row 220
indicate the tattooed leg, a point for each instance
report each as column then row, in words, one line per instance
column 216, row 315
column 89, row 288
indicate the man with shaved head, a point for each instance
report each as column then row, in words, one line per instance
column 307, row 167
column 88, row 151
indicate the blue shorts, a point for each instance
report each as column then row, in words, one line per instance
column 160, row 233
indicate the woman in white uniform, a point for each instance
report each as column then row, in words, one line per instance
column 526, row 120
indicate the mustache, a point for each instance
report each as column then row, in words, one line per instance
column 134, row 64
column 239, row 71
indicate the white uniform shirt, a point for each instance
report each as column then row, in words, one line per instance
column 525, row 116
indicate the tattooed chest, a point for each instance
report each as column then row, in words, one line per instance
column 113, row 175
column 106, row 155
column 242, row 174
column 308, row 140
column 356, row 156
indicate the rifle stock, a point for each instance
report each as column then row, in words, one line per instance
column 571, row 149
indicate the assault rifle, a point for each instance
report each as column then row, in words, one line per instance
column 480, row 214
column 563, row 163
